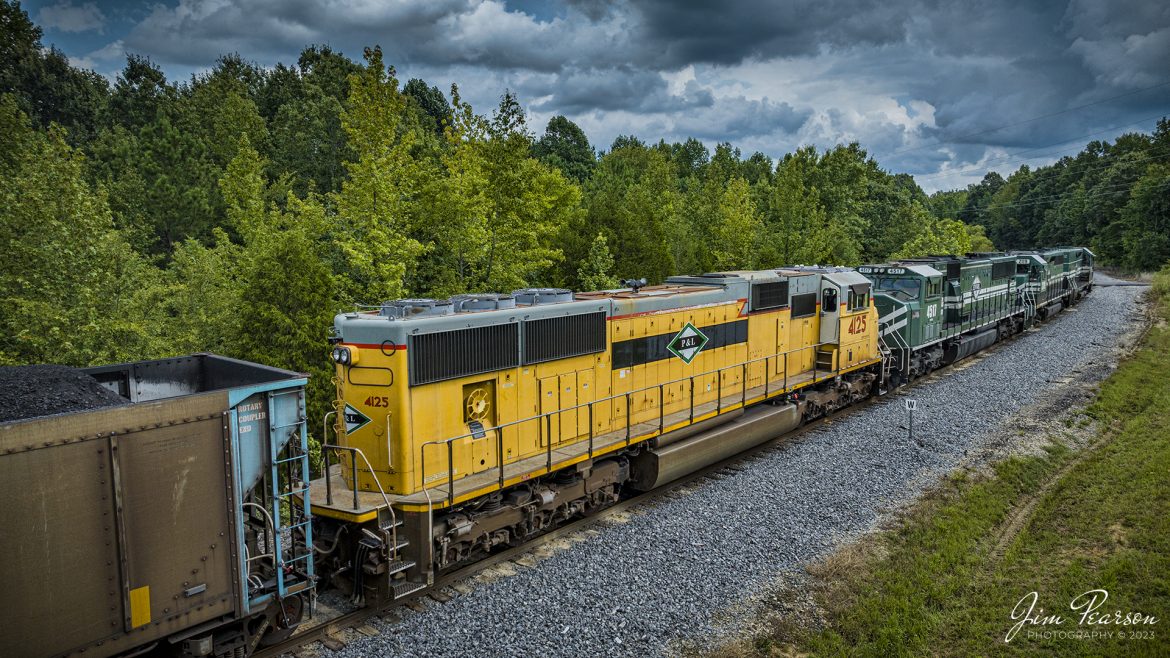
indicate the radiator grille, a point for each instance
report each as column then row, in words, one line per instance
column 804, row 305
column 560, row 338
column 450, row 354
column 769, row 295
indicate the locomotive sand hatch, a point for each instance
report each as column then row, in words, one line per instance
column 184, row 519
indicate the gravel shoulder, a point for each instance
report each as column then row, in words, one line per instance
column 687, row 567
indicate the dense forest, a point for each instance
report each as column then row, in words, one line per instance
column 237, row 211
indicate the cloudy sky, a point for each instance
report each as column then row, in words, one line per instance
column 945, row 90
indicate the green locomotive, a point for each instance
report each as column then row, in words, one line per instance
column 1052, row 279
column 937, row 310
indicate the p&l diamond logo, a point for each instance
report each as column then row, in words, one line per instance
column 687, row 343
column 354, row 419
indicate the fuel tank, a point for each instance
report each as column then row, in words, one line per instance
column 674, row 459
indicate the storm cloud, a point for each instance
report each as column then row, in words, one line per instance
column 937, row 88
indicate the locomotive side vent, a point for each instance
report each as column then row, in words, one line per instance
column 769, row 295
column 1002, row 270
column 449, row 354
column 538, row 296
column 559, row 338
column 804, row 305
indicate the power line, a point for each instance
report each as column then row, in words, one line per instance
column 1096, row 192
column 1006, row 159
column 961, row 138
column 1054, row 170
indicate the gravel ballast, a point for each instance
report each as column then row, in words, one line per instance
column 43, row 390
column 666, row 573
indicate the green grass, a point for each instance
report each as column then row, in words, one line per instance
column 947, row 579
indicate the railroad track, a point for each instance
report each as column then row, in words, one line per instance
column 324, row 631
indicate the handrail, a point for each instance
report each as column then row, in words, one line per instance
column 640, row 390
column 353, row 475
column 449, row 443
column 324, row 456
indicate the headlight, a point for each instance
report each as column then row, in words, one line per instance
column 341, row 355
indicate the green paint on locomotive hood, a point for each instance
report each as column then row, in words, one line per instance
column 908, row 300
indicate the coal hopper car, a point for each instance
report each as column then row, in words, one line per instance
column 163, row 523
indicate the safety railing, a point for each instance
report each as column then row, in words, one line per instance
column 547, row 417
column 326, row 447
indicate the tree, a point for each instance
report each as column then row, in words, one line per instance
column 377, row 205
column 565, row 146
column 204, row 296
column 947, row 204
column 141, row 93
column 1146, row 221
column 689, row 157
column 594, row 272
column 72, row 289
column 979, row 197
column 242, row 187
column 287, row 288
column 529, row 203
column 737, row 228
column 796, row 227
column 431, row 103
column 180, row 171
column 47, row 89
column 841, row 177
column 942, row 236
column 457, row 199
column 757, row 169
column 269, row 298
column 888, row 212
column 329, row 70
column 219, row 108
column 309, row 143
column 632, row 199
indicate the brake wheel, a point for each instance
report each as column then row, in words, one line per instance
column 286, row 622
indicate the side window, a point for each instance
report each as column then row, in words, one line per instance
column 829, row 301
column 858, row 301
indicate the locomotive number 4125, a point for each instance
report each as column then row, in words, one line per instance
column 857, row 324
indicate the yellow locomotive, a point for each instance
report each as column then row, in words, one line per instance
column 479, row 421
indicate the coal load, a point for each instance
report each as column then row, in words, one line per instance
column 31, row 391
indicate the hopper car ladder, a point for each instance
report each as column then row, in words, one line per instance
column 295, row 467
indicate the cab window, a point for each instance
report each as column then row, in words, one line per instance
column 934, row 288
column 829, row 301
column 858, row 301
column 903, row 289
